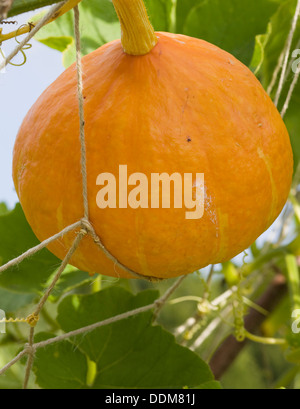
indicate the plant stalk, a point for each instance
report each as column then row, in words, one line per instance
column 138, row 36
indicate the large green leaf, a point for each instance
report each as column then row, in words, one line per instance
column 20, row 285
column 280, row 28
column 183, row 9
column 211, row 385
column 131, row 353
column 229, row 24
column 11, row 301
column 100, row 23
column 159, row 10
column 16, row 237
column 13, row 378
column 22, row 6
column 60, row 366
column 160, row 13
column 259, row 52
column 3, row 208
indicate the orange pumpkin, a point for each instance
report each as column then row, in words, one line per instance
column 156, row 103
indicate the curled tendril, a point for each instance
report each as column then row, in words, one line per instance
column 13, row 320
column 238, row 313
column 23, row 49
column 31, row 320
column 244, row 257
column 8, row 22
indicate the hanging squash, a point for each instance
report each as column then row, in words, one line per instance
column 160, row 109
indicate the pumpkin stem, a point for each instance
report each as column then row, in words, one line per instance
column 138, row 36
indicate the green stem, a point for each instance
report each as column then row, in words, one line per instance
column 91, row 373
column 293, row 280
column 173, row 17
column 273, row 254
column 296, row 206
column 97, row 283
column 287, row 378
column 265, row 341
column 138, row 37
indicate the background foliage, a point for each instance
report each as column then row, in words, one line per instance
column 176, row 352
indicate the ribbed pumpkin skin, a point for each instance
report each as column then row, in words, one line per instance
column 185, row 107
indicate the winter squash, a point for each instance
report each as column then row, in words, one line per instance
column 157, row 105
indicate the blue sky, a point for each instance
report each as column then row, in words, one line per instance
column 19, row 89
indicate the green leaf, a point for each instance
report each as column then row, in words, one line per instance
column 229, row 24
column 14, row 377
column 16, row 237
column 280, row 26
column 211, row 385
column 3, row 208
column 100, row 23
column 58, row 43
column 11, row 301
column 131, row 353
column 70, row 279
column 292, row 122
column 259, row 51
column 22, row 6
column 60, row 366
column 160, row 14
column 183, row 9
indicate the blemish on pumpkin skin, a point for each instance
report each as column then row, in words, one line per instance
column 178, row 41
column 188, row 139
column 221, row 231
column 183, row 109
column 21, row 170
column 20, row 176
column 274, row 204
column 209, row 208
column 187, row 100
